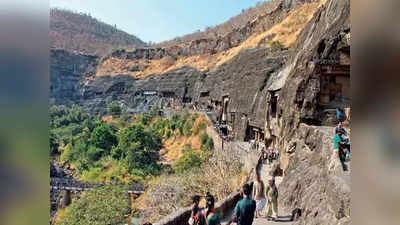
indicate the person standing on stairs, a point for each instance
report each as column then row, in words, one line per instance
column 258, row 194
column 272, row 200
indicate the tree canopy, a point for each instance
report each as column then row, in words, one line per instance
column 103, row 206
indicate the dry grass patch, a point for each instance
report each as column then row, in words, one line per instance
column 283, row 34
column 221, row 176
column 172, row 147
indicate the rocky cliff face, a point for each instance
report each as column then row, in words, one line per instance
column 240, row 93
column 216, row 42
column 314, row 182
column 70, row 84
column 238, row 88
column 314, row 179
column 67, row 70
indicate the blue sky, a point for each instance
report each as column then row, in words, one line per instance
column 158, row 20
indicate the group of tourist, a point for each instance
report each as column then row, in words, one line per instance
column 341, row 141
column 269, row 155
column 265, row 197
column 248, row 208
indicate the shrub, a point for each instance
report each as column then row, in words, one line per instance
column 138, row 146
column 207, row 143
column 94, row 154
column 92, row 175
column 103, row 206
column 102, row 137
column 73, row 151
column 276, row 45
column 169, row 134
column 187, row 128
column 202, row 125
column 114, row 109
column 190, row 159
column 54, row 144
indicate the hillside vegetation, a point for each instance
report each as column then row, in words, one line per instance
column 282, row 35
column 82, row 33
column 126, row 149
column 103, row 206
column 195, row 174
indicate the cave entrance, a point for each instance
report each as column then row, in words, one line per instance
column 335, row 86
column 335, row 81
column 168, row 94
column 254, row 133
column 187, row 100
column 225, row 102
column 274, row 103
column 204, row 94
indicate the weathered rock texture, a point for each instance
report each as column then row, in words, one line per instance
column 67, row 70
column 314, row 182
column 214, row 41
column 243, row 81
column 239, row 92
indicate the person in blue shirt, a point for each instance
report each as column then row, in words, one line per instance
column 244, row 210
column 341, row 146
column 339, row 115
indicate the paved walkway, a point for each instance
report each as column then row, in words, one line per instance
column 284, row 217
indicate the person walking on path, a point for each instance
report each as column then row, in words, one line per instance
column 243, row 213
column 339, row 127
column 212, row 218
column 342, row 147
column 339, row 115
column 195, row 211
column 272, row 200
column 258, row 194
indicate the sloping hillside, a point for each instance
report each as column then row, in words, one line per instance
column 276, row 29
column 258, row 14
column 83, row 33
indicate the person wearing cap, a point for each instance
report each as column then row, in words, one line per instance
column 272, row 200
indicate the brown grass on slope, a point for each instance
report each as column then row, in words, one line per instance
column 283, row 34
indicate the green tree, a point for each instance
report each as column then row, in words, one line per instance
column 187, row 127
column 190, row 159
column 103, row 206
column 103, row 137
column 53, row 143
column 114, row 108
column 139, row 147
column 207, row 143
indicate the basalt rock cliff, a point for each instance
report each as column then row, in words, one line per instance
column 281, row 96
column 314, row 181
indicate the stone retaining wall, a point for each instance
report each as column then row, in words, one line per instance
column 223, row 208
column 215, row 137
